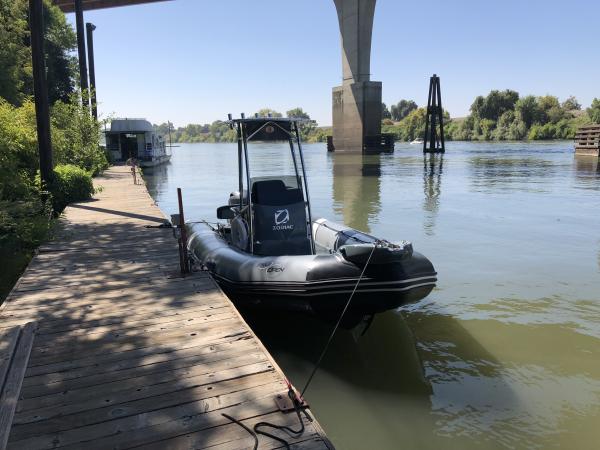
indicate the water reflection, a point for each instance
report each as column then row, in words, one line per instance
column 157, row 177
column 377, row 380
column 433, row 166
column 356, row 189
column 498, row 172
column 587, row 171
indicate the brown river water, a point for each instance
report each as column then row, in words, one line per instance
column 505, row 352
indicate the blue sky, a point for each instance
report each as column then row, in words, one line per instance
column 193, row 61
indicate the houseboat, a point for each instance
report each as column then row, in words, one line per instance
column 136, row 139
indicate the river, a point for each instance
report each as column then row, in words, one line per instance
column 505, row 352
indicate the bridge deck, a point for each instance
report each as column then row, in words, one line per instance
column 127, row 353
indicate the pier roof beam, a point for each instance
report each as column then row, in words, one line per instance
column 68, row 6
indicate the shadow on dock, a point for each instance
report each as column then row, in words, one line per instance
column 127, row 353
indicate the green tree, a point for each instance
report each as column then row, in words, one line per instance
column 61, row 65
column 528, row 110
column 594, row 111
column 76, row 135
column 297, row 113
column 571, row 104
column 15, row 54
column 385, row 112
column 402, row 109
column 307, row 126
column 494, row 104
column 264, row 112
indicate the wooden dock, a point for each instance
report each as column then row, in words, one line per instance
column 123, row 352
column 587, row 140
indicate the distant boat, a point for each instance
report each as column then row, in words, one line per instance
column 136, row 139
column 417, row 141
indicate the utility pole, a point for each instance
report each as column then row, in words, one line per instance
column 89, row 28
column 40, row 88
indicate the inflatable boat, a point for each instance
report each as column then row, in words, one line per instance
column 271, row 253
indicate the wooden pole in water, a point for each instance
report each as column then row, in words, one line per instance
column 40, row 88
column 186, row 268
column 432, row 142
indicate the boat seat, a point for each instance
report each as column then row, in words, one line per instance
column 280, row 224
column 274, row 193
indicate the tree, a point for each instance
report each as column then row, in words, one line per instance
column 15, row 56
column 61, row 65
column 402, row 109
column 385, row 112
column 594, row 110
column 571, row 104
column 307, row 126
column 297, row 113
column 494, row 104
column 264, row 112
column 528, row 110
column 16, row 81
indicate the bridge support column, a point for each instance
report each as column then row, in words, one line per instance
column 357, row 102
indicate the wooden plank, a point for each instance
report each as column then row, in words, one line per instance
column 74, row 428
column 143, row 361
column 126, row 391
column 84, row 308
column 232, row 334
column 177, row 319
column 250, row 351
column 12, row 385
column 8, row 342
column 174, row 338
column 137, row 318
column 112, row 342
column 205, row 419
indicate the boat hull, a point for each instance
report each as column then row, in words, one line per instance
column 318, row 284
column 155, row 161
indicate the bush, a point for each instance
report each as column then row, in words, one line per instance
column 24, row 225
column 75, row 137
column 70, row 184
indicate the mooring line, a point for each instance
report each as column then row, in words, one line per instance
column 326, row 347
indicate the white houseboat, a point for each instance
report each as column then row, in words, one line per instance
column 137, row 139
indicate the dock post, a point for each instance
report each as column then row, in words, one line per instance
column 89, row 28
column 185, row 268
column 40, row 88
column 83, row 76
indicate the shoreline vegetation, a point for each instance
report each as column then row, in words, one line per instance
column 28, row 209
column 499, row 116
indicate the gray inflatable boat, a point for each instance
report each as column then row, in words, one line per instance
column 270, row 253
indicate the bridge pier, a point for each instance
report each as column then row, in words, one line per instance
column 357, row 102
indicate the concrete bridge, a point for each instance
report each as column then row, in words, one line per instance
column 356, row 103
